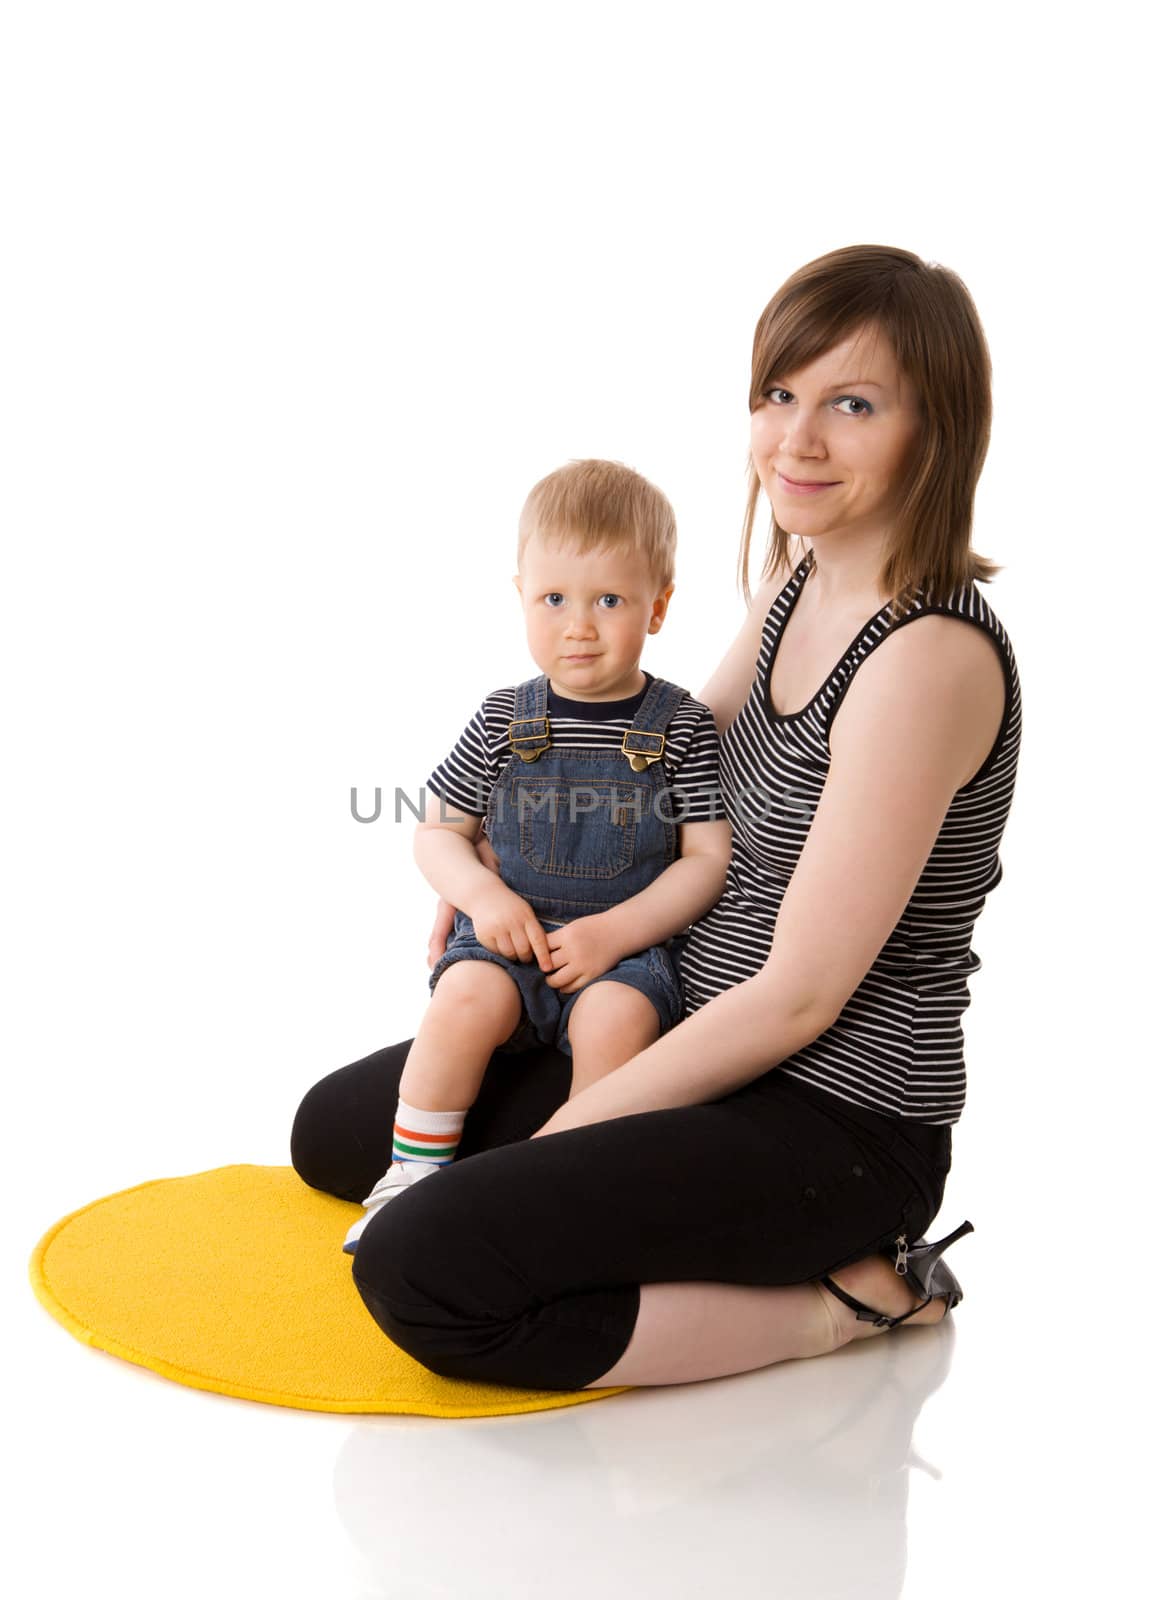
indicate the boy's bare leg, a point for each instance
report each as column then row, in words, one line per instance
column 475, row 1007
column 610, row 1023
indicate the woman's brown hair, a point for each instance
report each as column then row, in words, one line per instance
column 926, row 312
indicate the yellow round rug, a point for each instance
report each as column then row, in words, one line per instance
column 234, row 1280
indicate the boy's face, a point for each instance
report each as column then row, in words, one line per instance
column 587, row 616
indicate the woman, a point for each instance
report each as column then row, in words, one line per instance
column 683, row 1217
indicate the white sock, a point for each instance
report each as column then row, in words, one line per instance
column 430, row 1137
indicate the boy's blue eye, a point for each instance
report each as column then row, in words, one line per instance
column 551, row 596
column 616, row 598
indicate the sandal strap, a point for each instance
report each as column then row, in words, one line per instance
column 867, row 1313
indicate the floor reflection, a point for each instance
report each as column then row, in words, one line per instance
column 792, row 1480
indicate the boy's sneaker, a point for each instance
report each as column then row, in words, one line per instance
column 401, row 1175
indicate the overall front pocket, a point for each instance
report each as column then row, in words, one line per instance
column 578, row 828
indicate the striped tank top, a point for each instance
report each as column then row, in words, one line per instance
column 896, row 1047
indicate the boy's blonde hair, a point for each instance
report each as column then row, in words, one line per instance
column 592, row 504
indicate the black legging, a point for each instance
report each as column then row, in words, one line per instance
column 522, row 1263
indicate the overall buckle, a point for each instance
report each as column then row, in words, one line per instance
column 541, row 738
column 651, row 748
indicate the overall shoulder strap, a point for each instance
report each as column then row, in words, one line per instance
column 644, row 741
column 529, row 730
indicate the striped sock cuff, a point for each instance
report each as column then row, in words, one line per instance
column 431, row 1136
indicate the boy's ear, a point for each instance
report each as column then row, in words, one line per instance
column 517, row 582
column 660, row 607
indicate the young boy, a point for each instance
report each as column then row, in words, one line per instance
column 603, row 858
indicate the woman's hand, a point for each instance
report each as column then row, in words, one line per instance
column 442, row 928
column 443, row 921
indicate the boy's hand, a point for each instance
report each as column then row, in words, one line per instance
column 582, row 950
column 508, row 925
column 443, row 921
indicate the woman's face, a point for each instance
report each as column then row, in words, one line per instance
column 846, row 421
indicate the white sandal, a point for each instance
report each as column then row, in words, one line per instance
column 401, row 1175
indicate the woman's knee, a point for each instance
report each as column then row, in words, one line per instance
column 343, row 1127
column 315, row 1141
column 443, row 1273
column 406, row 1273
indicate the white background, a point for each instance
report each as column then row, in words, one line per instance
column 298, row 302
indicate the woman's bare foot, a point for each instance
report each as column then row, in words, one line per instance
column 874, row 1282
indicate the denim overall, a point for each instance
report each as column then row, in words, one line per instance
column 576, row 832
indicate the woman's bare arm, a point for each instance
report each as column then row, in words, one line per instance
column 916, row 722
